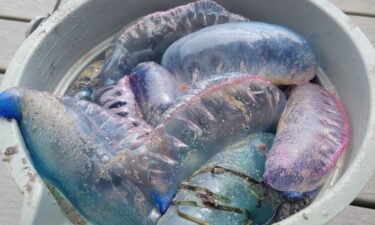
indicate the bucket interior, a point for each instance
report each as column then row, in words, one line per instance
column 83, row 35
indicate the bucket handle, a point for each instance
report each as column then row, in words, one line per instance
column 37, row 21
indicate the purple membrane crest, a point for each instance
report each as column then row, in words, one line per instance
column 312, row 134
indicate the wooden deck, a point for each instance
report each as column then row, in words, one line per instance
column 14, row 18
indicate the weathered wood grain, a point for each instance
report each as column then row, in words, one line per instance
column 367, row 195
column 354, row 216
column 12, row 34
column 360, row 7
column 367, row 25
column 10, row 199
column 25, row 9
column 28, row 9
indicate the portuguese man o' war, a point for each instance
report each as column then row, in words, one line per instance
column 228, row 189
column 209, row 117
column 147, row 38
column 73, row 146
column 172, row 121
column 155, row 90
column 105, row 166
column 312, row 134
column 270, row 51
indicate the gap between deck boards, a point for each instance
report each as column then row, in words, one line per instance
column 28, row 9
column 356, row 7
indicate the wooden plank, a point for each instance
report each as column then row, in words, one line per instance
column 10, row 199
column 367, row 195
column 29, row 9
column 25, row 9
column 354, row 216
column 367, row 25
column 12, row 34
column 359, row 7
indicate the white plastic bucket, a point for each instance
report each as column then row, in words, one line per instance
column 78, row 32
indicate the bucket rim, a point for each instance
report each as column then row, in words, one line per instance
column 334, row 199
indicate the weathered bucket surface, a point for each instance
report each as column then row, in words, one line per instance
column 78, row 32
